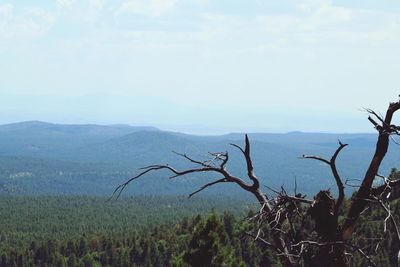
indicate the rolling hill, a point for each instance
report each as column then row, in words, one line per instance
column 45, row 158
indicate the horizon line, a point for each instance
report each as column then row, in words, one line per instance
column 172, row 130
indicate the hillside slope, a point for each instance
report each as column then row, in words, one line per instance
column 43, row 158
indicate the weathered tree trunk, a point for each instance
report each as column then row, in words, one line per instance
column 328, row 249
column 322, row 212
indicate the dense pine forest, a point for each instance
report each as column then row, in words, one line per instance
column 153, row 231
column 57, row 212
column 38, row 158
column 199, row 133
column 55, row 207
column 26, row 218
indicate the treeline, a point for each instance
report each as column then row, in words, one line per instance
column 202, row 240
column 63, row 218
column 211, row 240
column 84, row 232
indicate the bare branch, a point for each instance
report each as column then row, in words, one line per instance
column 347, row 182
column 376, row 191
column 204, row 167
column 270, row 188
column 238, row 147
column 223, row 180
column 316, row 158
column 358, row 204
column 338, row 180
column 191, row 160
column 249, row 163
column 224, row 160
column 301, row 200
column 118, row 190
column 265, row 242
column 335, row 243
column 339, row 183
column 221, row 157
column 372, row 112
column 393, row 220
column 284, row 215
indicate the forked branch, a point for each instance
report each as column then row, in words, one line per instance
column 249, row 163
column 385, row 129
column 223, row 180
column 279, row 213
column 333, row 244
column 332, row 165
column 216, row 165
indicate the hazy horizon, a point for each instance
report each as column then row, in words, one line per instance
column 200, row 66
column 186, row 129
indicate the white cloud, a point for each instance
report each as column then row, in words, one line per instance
column 29, row 23
column 147, row 7
column 65, row 3
column 97, row 4
column 6, row 10
column 323, row 23
column 92, row 4
column 201, row 2
column 309, row 5
column 209, row 50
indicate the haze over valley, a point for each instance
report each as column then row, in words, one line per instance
column 42, row 158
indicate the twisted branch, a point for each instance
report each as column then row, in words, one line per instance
column 339, row 183
column 359, row 202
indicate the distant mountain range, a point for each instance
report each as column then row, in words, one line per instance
column 45, row 158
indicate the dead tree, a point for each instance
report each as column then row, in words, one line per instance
column 282, row 215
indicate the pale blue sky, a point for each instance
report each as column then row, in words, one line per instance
column 204, row 66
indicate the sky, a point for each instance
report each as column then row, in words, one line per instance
column 200, row 66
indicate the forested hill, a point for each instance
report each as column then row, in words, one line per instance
column 155, row 231
column 44, row 158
